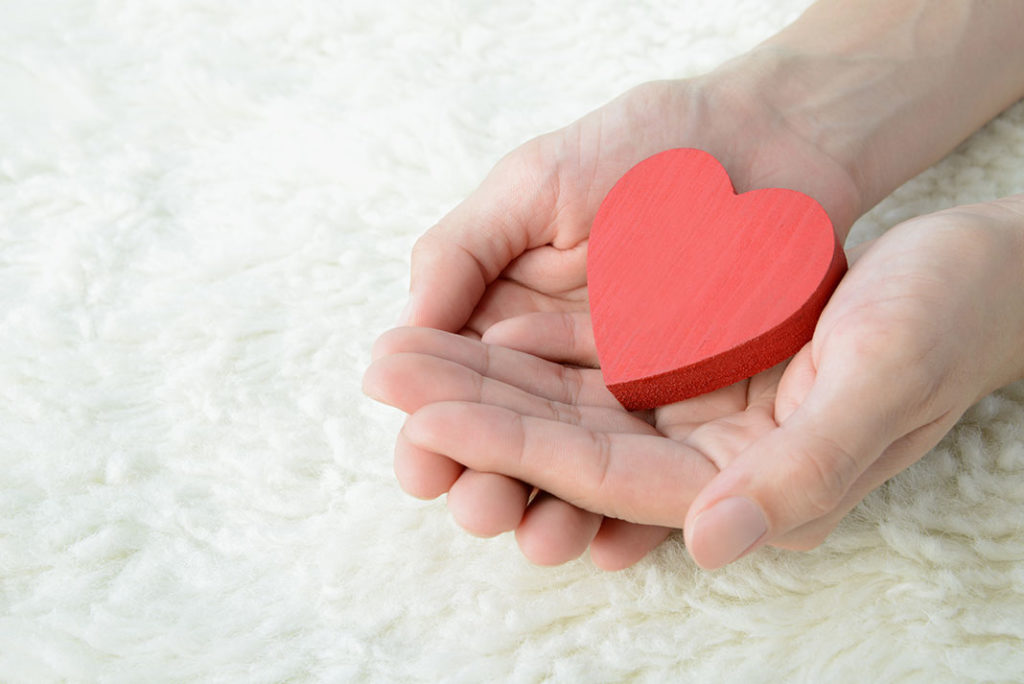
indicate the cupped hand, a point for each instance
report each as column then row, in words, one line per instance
column 928, row 320
column 517, row 246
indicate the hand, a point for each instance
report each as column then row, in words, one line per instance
column 518, row 246
column 928, row 320
column 839, row 119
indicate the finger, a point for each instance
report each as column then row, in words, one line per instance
column 533, row 375
column 415, row 380
column 453, row 262
column 487, row 504
column 620, row 544
column 551, row 269
column 680, row 420
column 628, row 476
column 797, row 473
column 562, row 337
column 553, row 532
column 421, row 473
column 505, row 298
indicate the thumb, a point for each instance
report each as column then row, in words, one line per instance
column 797, row 473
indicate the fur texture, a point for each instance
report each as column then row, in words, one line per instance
column 206, row 212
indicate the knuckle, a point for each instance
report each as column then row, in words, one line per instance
column 394, row 341
column 572, row 383
column 422, row 244
column 605, row 488
column 569, row 328
column 564, row 413
column 826, row 470
column 429, row 245
column 599, row 479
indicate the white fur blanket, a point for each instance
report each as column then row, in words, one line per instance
column 206, row 212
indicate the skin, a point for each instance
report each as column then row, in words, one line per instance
column 499, row 375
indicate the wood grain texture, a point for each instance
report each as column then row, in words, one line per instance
column 694, row 287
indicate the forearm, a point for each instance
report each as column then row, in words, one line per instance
column 889, row 87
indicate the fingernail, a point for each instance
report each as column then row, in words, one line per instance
column 726, row 530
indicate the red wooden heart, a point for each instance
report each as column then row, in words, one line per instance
column 693, row 287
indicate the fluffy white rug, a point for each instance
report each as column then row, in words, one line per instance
column 206, row 211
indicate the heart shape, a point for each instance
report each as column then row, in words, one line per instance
column 694, row 287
